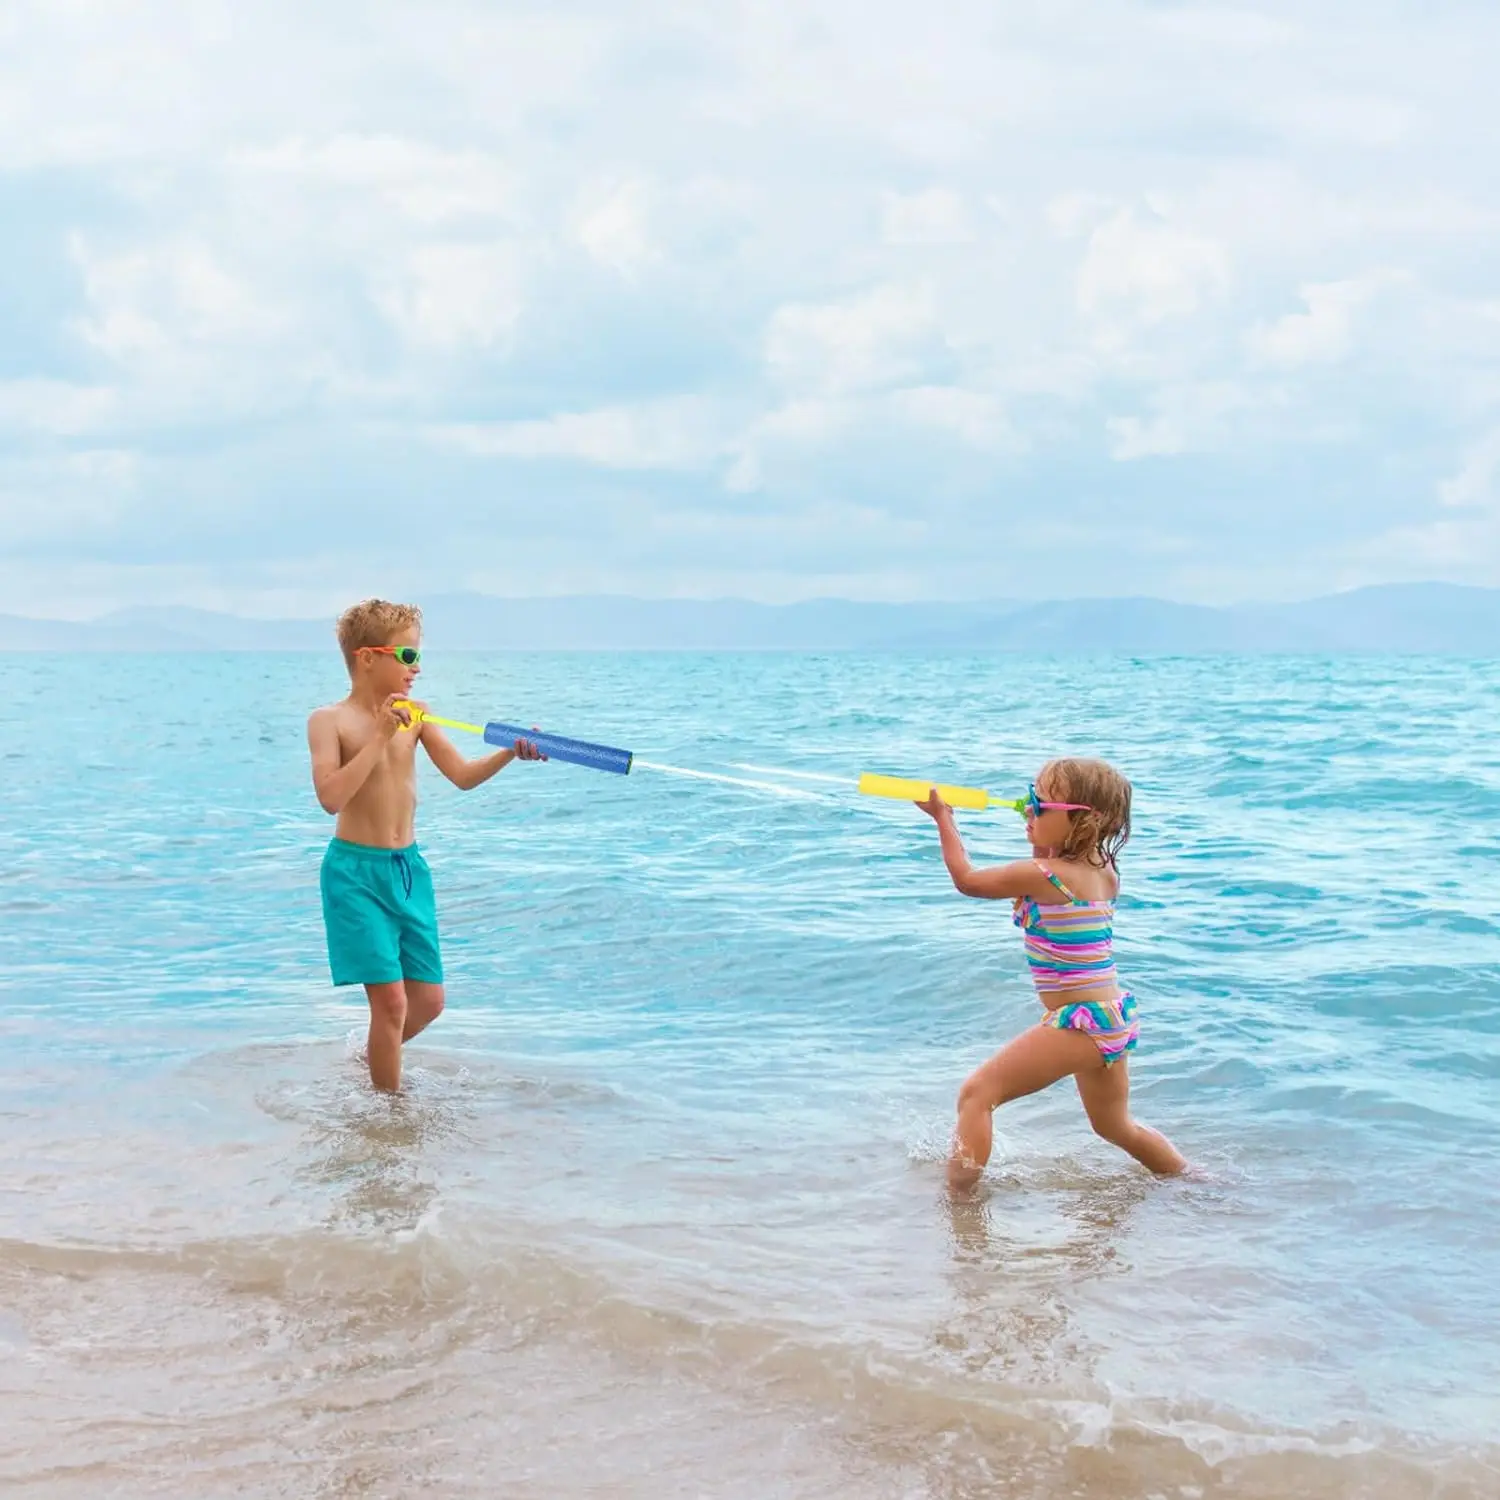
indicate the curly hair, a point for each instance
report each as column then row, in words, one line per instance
column 1094, row 837
column 372, row 622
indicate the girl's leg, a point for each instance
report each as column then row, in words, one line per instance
column 1106, row 1098
column 387, row 1022
column 1036, row 1059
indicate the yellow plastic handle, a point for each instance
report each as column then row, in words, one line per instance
column 906, row 789
column 418, row 716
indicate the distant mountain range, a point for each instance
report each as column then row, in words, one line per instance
column 1433, row 618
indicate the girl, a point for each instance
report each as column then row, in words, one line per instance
column 1077, row 821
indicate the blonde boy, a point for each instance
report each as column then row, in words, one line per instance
column 379, row 909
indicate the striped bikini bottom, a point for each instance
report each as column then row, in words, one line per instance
column 1110, row 1024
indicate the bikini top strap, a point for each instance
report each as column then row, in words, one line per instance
column 1055, row 881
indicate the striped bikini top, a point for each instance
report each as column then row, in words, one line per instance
column 1070, row 946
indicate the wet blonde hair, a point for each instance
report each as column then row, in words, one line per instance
column 1094, row 837
column 372, row 622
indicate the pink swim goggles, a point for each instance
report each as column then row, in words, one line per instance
column 1035, row 807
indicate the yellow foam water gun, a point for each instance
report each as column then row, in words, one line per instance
column 907, row 789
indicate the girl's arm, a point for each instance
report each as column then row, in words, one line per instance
column 998, row 882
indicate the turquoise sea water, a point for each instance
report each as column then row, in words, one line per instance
column 662, row 1210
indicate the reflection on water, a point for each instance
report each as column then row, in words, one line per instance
column 1015, row 1271
column 372, row 1161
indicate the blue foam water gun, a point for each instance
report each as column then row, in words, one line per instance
column 554, row 746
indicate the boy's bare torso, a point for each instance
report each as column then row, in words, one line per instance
column 383, row 811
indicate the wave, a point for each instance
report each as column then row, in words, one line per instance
column 943, row 1406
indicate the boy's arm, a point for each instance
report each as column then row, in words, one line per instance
column 336, row 784
column 999, row 882
column 463, row 773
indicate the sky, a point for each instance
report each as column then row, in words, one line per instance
column 844, row 298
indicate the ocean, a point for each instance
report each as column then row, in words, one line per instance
column 662, row 1209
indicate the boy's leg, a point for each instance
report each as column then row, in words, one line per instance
column 421, row 949
column 424, row 1004
column 363, row 941
column 388, row 1009
column 397, row 1013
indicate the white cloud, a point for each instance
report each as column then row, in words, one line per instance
column 937, row 216
column 674, row 434
column 92, row 82
column 1461, row 551
column 1187, row 419
column 1370, row 120
column 1227, row 27
column 978, row 418
column 1140, row 272
column 810, row 262
column 803, row 425
column 453, row 295
column 1473, row 486
column 1071, row 214
column 145, row 305
column 422, row 183
column 50, row 500
column 687, row 434
column 613, row 228
column 57, row 408
column 875, row 338
column 1323, row 334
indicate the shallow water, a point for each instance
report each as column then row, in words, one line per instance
column 662, row 1210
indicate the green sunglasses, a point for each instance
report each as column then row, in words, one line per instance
column 408, row 656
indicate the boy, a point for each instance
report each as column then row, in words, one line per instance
column 378, row 905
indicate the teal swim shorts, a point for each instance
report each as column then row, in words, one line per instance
column 380, row 915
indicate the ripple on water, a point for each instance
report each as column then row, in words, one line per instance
column 691, row 1098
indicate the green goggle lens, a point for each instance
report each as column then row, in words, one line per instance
column 408, row 656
